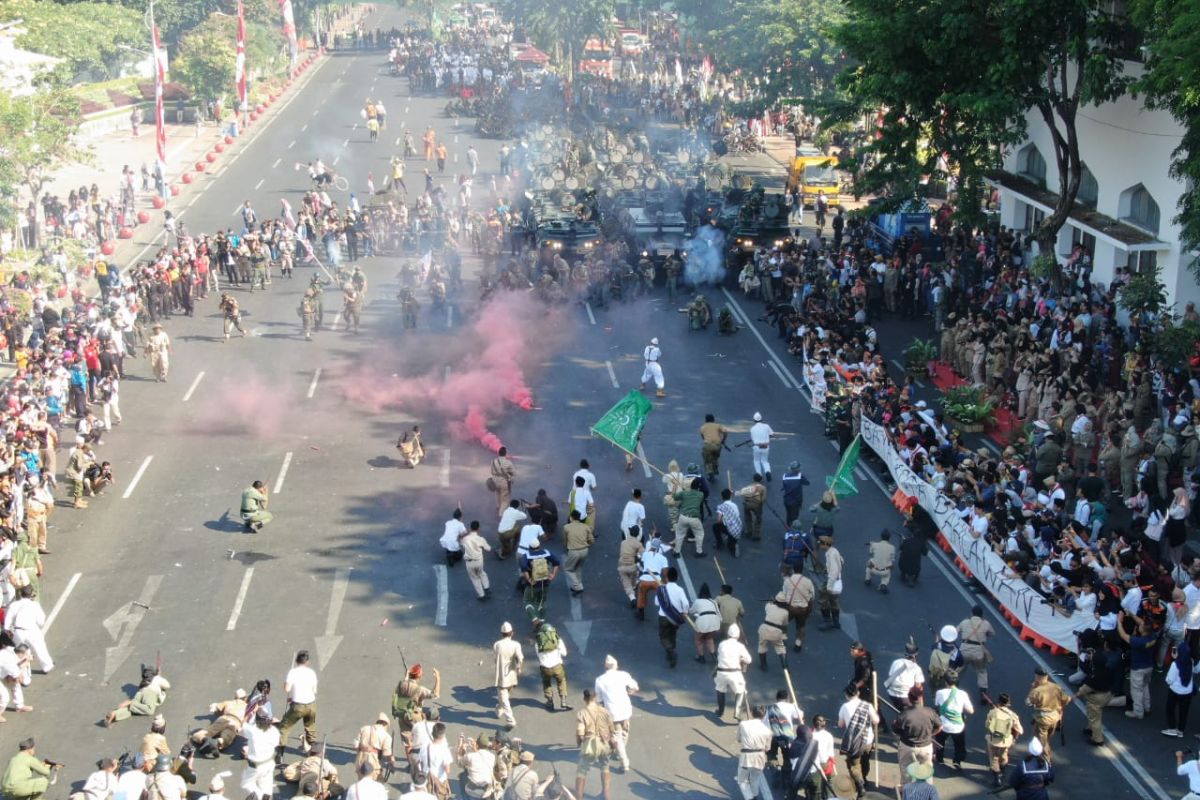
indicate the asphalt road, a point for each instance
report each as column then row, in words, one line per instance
column 350, row 567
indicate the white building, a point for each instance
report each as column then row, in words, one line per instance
column 19, row 68
column 1127, row 198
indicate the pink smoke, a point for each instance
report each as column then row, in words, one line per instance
column 245, row 405
column 488, row 369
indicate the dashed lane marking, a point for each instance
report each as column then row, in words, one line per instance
column 241, row 598
column 137, row 476
column 192, row 389
column 283, row 471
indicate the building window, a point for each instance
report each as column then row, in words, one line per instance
column 1033, row 218
column 1031, row 165
column 1142, row 261
column 1089, row 189
column 1138, row 208
column 1082, row 237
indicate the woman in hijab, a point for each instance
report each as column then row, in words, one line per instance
column 1181, row 683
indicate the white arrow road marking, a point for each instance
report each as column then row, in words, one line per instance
column 137, row 476
column 287, row 462
column 645, row 462
column 443, row 595
column 241, row 598
column 62, row 599
column 328, row 643
column 579, row 628
column 122, row 623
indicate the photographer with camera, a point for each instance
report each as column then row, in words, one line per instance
column 1187, row 766
column 27, row 777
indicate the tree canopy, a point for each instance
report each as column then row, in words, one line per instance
column 205, row 59
column 88, row 36
column 36, row 137
column 564, row 30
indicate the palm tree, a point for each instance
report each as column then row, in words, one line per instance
column 560, row 26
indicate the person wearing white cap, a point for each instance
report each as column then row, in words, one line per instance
column 231, row 715
column 732, row 660
column 1034, row 774
column 653, row 369
column 509, row 658
column 945, row 657
column 262, row 741
column 613, row 689
column 216, row 787
column 760, row 446
column 101, row 784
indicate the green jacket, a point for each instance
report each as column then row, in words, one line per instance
column 690, row 501
column 25, row 776
column 252, row 500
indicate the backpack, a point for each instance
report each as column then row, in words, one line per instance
column 404, row 704
column 782, row 725
column 999, row 726
column 793, row 548
column 539, row 568
column 547, row 639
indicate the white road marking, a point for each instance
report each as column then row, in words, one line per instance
column 579, row 628
column 137, row 476
column 645, row 461
column 354, row 127
column 779, row 374
column 291, row 144
column 346, row 142
column 258, row 185
column 443, row 595
column 328, row 642
column 456, row 138
column 336, row 159
column 276, row 164
column 902, row 368
column 337, row 320
column 687, row 576
column 771, row 353
column 444, row 473
column 191, row 389
column 312, row 387
column 591, row 316
column 304, row 127
column 287, row 462
column 449, row 316
column 455, row 158
column 241, row 598
column 122, row 624
column 397, row 141
column 612, row 376
column 62, row 600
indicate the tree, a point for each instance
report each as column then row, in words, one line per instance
column 89, row 37
column 1171, row 80
column 36, row 137
column 992, row 64
column 563, row 31
column 790, row 42
column 206, row 57
column 1145, row 295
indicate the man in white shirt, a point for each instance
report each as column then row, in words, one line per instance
column 418, row 789
column 24, row 621
column 732, row 660
column 633, row 514
column 452, row 536
column 903, row 675
column 1189, row 769
column 953, row 705
column 101, row 784
column 531, row 537
column 672, row 602
column 507, row 529
column 613, row 689
column 651, row 356
column 580, row 500
column 654, row 564
column 860, row 719
column 131, row 785
column 589, row 479
column 301, row 688
column 366, row 787
column 262, row 741
column 436, row 762
column 760, row 446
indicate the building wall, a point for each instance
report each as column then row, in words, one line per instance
column 1123, row 144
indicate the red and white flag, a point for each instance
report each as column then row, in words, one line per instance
column 289, row 30
column 160, row 128
column 241, row 58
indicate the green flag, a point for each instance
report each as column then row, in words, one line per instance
column 623, row 423
column 842, row 482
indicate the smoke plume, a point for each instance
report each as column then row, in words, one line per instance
column 706, row 257
column 488, row 367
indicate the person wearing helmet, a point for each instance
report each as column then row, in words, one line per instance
column 732, row 660
column 308, row 313
column 945, row 658
column 164, row 784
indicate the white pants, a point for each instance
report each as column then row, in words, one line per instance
column 504, row 707
column 762, row 455
column 112, row 409
column 37, row 645
column 259, row 781
column 653, row 371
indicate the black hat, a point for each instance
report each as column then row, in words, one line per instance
column 1041, row 672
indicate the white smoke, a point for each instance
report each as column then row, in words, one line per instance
column 705, row 257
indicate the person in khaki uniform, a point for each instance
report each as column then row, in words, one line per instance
column 753, row 738
column 509, row 658
column 881, row 561
column 37, row 512
column 500, row 481
column 374, row 744
column 231, row 715
column 773, row 631
column 754, row 498
column 473, row 547
column 594, row 735
column 712, row 439
column 77, row 464
column 308, row 314
column 628, row 553
column 578, row 539
column 158, row 347
column 973, row 633
column 731, row 610
column 800, row 592
column 1047, row 700
column 1002, row 727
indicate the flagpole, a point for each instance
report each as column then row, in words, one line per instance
column 160, row 129
column 241, row 60
column 630, row 453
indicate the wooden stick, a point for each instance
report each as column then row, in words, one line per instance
column 729, row 479
column 792, row 690
column 720, row 571
column 875, row 699
column 636, row 456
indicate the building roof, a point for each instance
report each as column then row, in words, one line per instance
column 1125, row 236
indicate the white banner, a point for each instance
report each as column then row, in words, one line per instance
column 988, row 568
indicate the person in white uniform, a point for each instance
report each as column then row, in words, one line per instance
column 653, row 371
column 732, row 660
column 24, row 622
column 261, row 740
column 760, row 446
column 613, row 690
